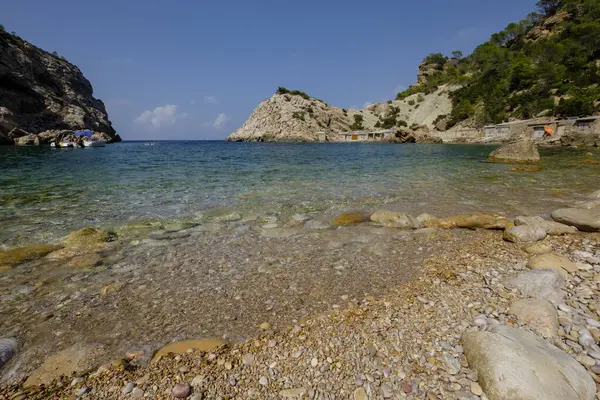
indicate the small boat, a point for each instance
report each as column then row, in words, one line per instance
column 66, row 144
column 94, row 143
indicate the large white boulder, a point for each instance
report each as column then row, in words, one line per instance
column 513, row 364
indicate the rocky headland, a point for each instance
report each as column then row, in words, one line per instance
column 43, row 95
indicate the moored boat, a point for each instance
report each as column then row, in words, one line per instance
column 94, row 143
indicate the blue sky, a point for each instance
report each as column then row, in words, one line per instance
column 189, row 69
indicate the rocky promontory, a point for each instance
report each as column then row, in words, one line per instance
column 294, row 116
column 43, row 92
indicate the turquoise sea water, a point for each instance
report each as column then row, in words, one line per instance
column 45, row 193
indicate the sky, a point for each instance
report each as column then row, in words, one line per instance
column 195, row 70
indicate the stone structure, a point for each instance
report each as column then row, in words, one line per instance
column 359, row 136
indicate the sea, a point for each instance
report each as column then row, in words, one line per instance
column 46, row 193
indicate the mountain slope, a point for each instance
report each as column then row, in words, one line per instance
column 545, row 65
column 41, row 91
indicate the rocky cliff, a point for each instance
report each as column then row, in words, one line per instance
column 40, row 91
column 294, row 116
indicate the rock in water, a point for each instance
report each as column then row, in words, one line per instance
column 582, row 219
column 471, row 221
column 550, row 227
column 543, row 284
column 516, row 151
column 55, row 91
column 8, row 349
column 539, row 314
column 513, row 364
column 393, row 219
column 524, row 234
column 28, row 253
column 351, row 218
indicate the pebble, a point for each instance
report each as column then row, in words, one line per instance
column 314, row 362
column 452, row 364
column 248, row 359
column 82, row 391
column 137, row 393
column 594, row 354
column 386, row 390
column 181, row 391
column 586, row 360
column 476, row 389
column 263, row 381
column 586, row 339
column 265, row 326
column 565, row 308
column 360, row 394
column 228, row 366
column 593, row 322
column 455, row 387
column 128, row 387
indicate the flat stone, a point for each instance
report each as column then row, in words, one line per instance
column 391, row 219
column 514, row 364
column 351, row 218
column 553, row 261
column 298, row 393
column 476, row 389
column 77, row 358
column 551, row 228
column 137, row 393
column 128, row 388
column 187, row 345
column 524, row 234
column 539, row 314
column 545, row 284
column 583, row 219
column 471, row 221
column 8, row 349
column 538, row 248
column 360, row 394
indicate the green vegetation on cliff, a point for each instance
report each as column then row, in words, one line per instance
column 546, row 64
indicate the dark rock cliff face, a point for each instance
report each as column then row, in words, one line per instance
column 40, row 91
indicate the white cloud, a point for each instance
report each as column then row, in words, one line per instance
column 222, row 118
column 160, row 116
column 211, row 100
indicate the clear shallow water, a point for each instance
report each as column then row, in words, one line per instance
column 46, row 193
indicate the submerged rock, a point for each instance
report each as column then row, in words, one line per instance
column 28, row 253
column 513, row 364
column 553, row 261
column 88, row 237
column 182, row 347
column 550, row 227
column 516, row 151
column 471, row 221
column 351, row 218
column 539, row 314
column 524, row 234
column 8, row 349
column 77, row 358
column 587, row 220
column 393, row 219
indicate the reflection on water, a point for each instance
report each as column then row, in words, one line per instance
column 45, row 193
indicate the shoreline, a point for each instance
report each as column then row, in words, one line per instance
column 448, row 254
column 394, row 345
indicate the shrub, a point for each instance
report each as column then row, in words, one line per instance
column 358, row 123
column 389, row 102
column 2, row 28
column 287, row 98
column 411, row 102
column 282, row 90
column 420, row 98
column 401, row 123
column 309, row 110
column 298, row 115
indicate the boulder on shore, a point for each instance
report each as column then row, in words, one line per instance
column 545, row 284
column 471, row 221
column 514, row 364
column 540, row 315
column 557, row 262
column 587, row 220
column 518, row 151
column 524, row 234
column 551, row 228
